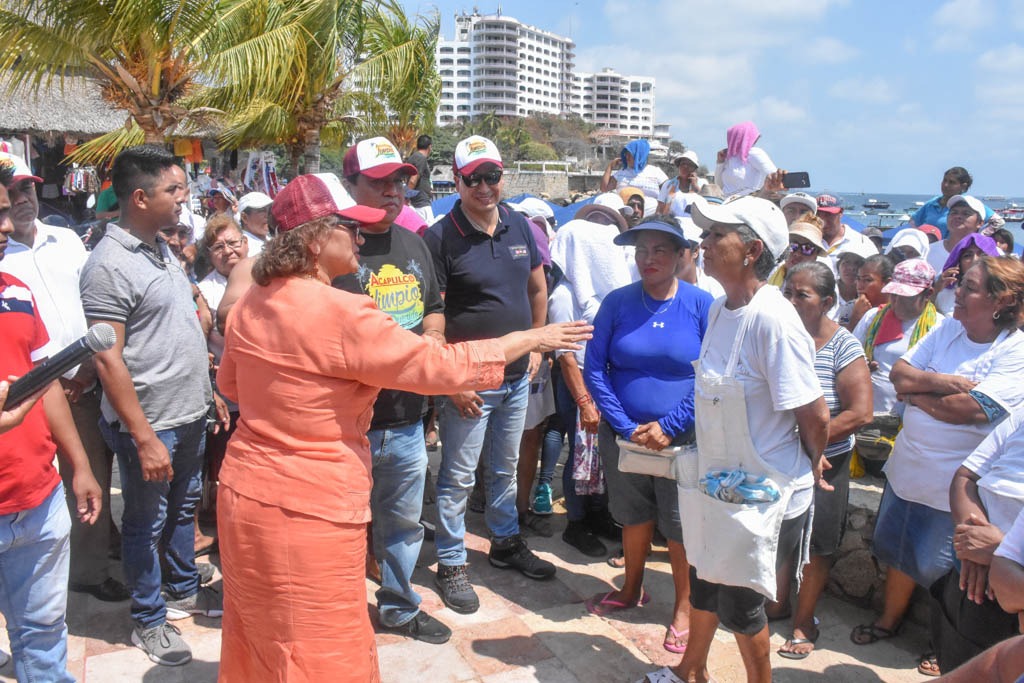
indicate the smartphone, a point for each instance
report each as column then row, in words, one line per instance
column 796, row 179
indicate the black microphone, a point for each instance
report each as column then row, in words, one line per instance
column 99, row 338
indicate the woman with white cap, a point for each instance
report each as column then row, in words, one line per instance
column 909, row 243
column 755, row 387
column 676, row 193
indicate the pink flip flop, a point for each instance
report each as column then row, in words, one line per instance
column 673, row 637
column 602, row 603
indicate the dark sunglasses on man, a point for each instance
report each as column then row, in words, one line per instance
column 492, row 178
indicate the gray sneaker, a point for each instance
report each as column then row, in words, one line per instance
column 163, row 644
column 456, row 591
column 206, row 601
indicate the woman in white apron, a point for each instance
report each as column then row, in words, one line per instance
column 755, row 385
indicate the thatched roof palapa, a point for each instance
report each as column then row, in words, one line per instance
column 77, row 110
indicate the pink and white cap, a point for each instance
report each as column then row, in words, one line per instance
column 474, row 151
column 910, row 278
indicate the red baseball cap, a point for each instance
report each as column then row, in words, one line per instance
column 376, row 158
column 309, row 197
column 829, row 204
column 930, row 229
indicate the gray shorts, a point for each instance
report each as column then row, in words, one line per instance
column 638, row 498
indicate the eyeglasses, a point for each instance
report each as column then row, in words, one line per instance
column 221, row 247
column 387, row 183
column 805, row 249
column 492, row 178
column 350, row 225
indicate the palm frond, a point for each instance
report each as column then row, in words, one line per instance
column 105, row 147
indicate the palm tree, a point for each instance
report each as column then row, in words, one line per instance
column 150, row 57
column 347, row 43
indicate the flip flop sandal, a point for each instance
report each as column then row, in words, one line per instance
column 798, row 641
column 869, row 633
column 672, row 638
column 602, row 603
column 928, row 665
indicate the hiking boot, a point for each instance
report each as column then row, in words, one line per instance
column 512, row 553
column 163, row 644
column 206, row 601
column 423, row 627
column 601, row 523
column 578, row 536
column 456, row 591
column 529, row 521
column 542, row 500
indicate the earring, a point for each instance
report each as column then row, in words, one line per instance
column 996, row 316
column 746, row 261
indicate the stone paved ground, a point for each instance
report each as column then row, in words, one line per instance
column 524, row 631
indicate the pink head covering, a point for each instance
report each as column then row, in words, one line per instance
column 741, row 138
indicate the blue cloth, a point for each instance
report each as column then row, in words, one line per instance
column 933, row 213
column 639, row 365
column 399, row 457
column 640, row 149
column 463, row 447
column 159, row 513
column 738, row 486
column 34, row 557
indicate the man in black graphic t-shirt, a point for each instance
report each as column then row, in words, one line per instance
column 396, row 270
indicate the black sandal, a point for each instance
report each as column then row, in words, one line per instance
column 870, row 633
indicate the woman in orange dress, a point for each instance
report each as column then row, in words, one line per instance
column 305, row 361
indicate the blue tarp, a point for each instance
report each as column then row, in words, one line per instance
column 563, row 214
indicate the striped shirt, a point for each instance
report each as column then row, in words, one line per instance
column 838, row 352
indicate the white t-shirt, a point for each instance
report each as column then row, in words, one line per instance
column 738, row 177
column 212, row 288
column 776, row 368
column 1012, row 547
column 709, row 284
column 562, row 308
column 937, row 255
column 928, row 451
column 255, row 243
column 886, row 356
column 649, row 180
column 999, row 461
column 678, row 201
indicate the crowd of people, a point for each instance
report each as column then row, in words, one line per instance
column 716, row 356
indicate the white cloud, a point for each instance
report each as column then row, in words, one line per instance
column 958, row 20
column 774, row 110
column 828, row 50
column 874, row 90
column 1004, row 61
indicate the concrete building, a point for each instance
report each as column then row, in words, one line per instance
column 497, row 64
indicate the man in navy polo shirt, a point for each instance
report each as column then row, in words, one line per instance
column 489, row 272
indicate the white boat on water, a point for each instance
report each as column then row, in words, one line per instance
column 875, row 204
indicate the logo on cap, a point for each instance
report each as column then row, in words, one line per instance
column 384, row 150
column 476, row 147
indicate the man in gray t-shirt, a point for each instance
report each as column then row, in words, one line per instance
column 156, row 392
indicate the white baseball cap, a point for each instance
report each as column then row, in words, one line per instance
column 474, row 151
column 18, row 166
column 801, row 198
column 970, row 201
column 374, row 157
column 760, row 215
column 254, row 200
column 532, row 206
column 689, row 155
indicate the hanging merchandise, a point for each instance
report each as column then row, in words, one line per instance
column 252, row 170
column 81, row 179
column 182, row 147
column 270, row 184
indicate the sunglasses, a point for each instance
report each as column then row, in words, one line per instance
column 351, row 225
column 492, row 178
column 805, row 249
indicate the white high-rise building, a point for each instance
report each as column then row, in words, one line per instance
column 498, row 64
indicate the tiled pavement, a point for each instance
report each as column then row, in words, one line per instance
column 524, row 631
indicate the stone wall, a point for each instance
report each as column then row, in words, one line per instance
column 552, row 184
column 856, row 576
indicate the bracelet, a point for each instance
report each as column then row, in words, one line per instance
column 584, row 400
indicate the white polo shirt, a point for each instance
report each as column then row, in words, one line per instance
column 51, row 268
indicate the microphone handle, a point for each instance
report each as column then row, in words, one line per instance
column 40, row 376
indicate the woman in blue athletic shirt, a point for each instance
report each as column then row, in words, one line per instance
column 639, row 371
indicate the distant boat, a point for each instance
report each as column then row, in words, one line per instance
column 994, row 198
column 875, row 204
column 1012, row 213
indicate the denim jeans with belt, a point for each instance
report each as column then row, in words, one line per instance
column 34, row 554
column 158, row 519
column 399, row 472
column 493, row 438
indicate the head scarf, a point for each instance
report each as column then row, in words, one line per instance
column 640, row 149
column 910, row 237
column 983, row 242
column 741, row 138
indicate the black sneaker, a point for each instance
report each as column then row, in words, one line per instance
column 578, row 536
column 601, row 523
column 512, row 553
column 456, row 591
column 423, row 627
column 534, row 523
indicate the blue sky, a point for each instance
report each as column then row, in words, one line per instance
column 866, row 95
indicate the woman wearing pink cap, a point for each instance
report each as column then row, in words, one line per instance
column 305, row 362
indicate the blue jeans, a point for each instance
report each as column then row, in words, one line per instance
column 396, row 500
column 34, row 553
column 158, row 519
column 554, row 435
column 463, row 446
